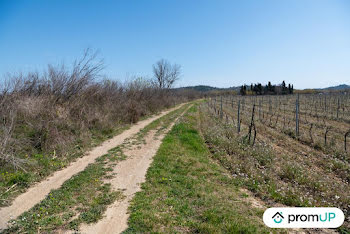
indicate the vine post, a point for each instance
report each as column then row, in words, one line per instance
column 297, row 117
column 238, row 120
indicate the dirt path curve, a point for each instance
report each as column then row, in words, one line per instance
column 130, row 174
column 40, row 190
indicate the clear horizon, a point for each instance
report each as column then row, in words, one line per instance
column 220, row 44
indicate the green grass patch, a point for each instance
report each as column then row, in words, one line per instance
column 40, row 165
column 81, row 199
column 186, row 191
column 163, row 122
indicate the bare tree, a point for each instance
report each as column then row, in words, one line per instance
column 166, row 74
column 65, row 84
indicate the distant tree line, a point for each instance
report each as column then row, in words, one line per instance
column 269, row 89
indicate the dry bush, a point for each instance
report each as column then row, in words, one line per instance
column 54, row 111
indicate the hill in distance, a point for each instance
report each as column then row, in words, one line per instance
column 206, row 88
column 338, row 87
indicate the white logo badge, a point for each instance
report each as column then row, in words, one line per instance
column 300, row 217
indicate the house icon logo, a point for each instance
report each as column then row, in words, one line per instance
column 278, row 217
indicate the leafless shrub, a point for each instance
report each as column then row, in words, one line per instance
column 8, row 143
column 345, row 136
column 310, row 133
column 327, row 129
column 252, row 126
column 53, row 110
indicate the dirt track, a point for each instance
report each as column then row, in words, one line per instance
column 130, row 174
column 40, row 190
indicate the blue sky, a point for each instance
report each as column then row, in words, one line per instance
column 218, row 43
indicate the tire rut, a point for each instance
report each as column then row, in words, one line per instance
column 39, row 191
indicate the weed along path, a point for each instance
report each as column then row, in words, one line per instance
column 131, row 171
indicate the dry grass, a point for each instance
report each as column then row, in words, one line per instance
column 48, row 119
column 278, row 168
